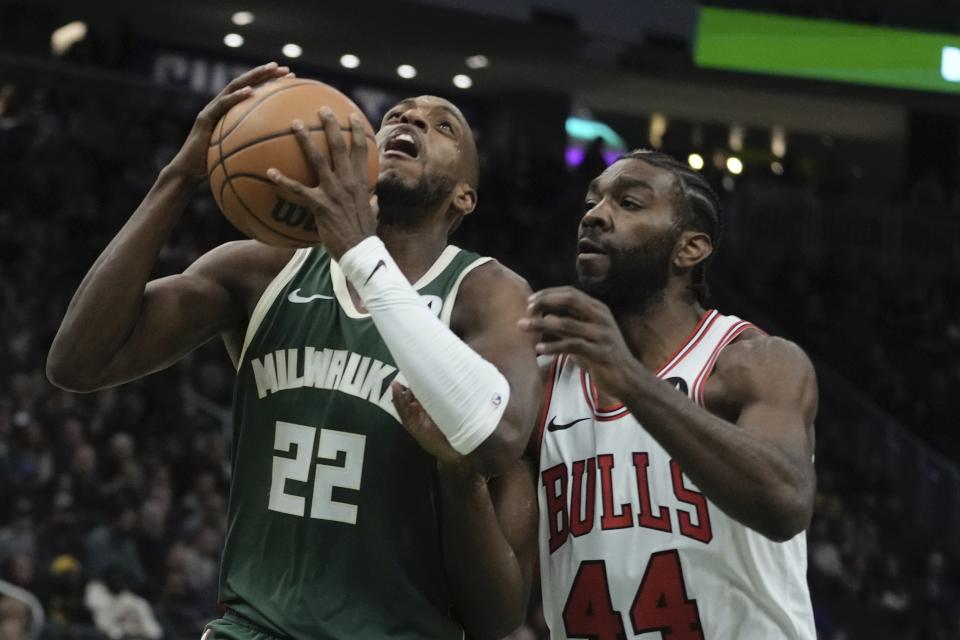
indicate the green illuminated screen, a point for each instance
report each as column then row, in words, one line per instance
column 827, row 50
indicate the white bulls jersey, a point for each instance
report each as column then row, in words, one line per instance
column 629, row 548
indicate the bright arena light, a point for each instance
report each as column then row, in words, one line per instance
column 349, row 61
column 950, row 64
column 478, row 61
column 778, row 141
column 233, row 40
column 242, row 18
column 66, row 36
column 292, row 50
column 407, row 71
column 695, row 160
column 462, row 81
column 734, row 165
column 735, row 139
column 658, row 128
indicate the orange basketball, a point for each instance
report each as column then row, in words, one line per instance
column 255, row 135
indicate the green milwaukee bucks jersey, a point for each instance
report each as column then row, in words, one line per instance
column 333, row 529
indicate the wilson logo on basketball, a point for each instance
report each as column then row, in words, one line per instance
column 292, row 215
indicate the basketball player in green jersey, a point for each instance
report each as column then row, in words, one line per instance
column 342, row 525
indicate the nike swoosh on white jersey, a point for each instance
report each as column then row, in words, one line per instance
column 296, row 297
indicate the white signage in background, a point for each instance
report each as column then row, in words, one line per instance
column 950, row 64
column 201, row 75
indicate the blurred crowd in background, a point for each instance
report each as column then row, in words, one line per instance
column 112, row 505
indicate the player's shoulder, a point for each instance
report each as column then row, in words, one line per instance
column 226, row 259
column 757, row 348
column 757, row 358
column 493, row 281
column 242, row 264
column 490, row 295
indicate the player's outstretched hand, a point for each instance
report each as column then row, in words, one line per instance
column 341, row 204
column 191, row 160
column 585, row 328
column 421, row 426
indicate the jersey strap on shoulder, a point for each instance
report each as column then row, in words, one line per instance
column 270, row 295
column 732, row 334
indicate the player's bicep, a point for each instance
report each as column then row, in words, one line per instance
column 780, row 426
column 178, row 314
column 779, row 389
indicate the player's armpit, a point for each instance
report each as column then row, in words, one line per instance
column 771, row 385
column 491, row 300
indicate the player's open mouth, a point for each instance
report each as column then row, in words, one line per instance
column 402, row 144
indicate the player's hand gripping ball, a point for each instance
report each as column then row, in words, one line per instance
column 255, row 135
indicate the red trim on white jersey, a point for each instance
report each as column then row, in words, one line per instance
column 619, row 410
column 732, row 334
column 699, row 331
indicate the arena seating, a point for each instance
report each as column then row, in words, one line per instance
column 123, row 492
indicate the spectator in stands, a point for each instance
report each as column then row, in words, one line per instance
column 117, row 611
column 67, row 614
column 114, row 544
column 19, row 537
column 14, row 619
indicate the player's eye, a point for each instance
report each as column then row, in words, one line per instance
column 589, row 204
column 445, row 124
column 393, row 116
column 630, row 204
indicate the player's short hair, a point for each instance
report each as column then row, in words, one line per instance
column 695, row 204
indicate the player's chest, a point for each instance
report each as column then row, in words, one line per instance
column 600, row 475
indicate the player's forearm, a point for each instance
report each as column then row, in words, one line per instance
column 465, row 394
column 105, row 307
column 483, row 570
column 751, row 480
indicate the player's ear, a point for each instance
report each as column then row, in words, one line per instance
column 464, row 199
column 693, row 247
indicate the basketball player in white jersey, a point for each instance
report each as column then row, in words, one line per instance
column 675, row 443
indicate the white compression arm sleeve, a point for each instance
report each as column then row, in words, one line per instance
column 464, row 394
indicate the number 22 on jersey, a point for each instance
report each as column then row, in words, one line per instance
column 298, row 440
column 661, row 603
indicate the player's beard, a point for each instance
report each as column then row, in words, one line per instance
column 403, row 204
column 636, row 277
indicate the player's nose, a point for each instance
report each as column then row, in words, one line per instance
column 415, row 117
column 597, row 216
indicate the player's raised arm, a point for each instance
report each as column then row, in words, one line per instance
column 118, row 325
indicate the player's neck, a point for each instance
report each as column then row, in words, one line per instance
column 657, row 332
column 414, row 249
